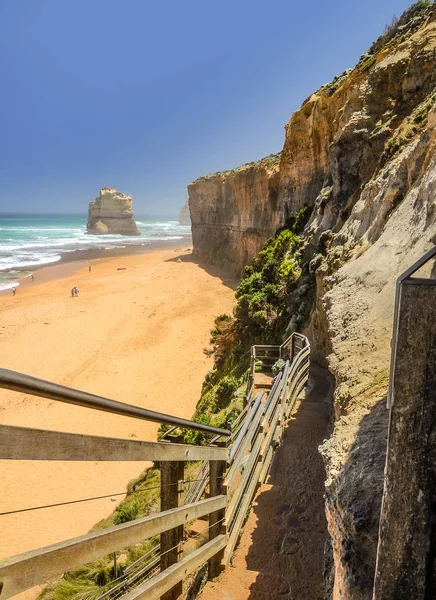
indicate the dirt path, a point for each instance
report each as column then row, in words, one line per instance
column 280, row 554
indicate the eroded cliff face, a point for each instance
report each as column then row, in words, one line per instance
column 335, row 144
column 234, row 212
column 382, row 223
column 111, row 212
column 357, row 301
column 362, row 152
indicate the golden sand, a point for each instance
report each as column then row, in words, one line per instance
column 136, row 333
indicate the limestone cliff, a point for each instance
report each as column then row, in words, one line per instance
column 234, row 212
column 361, row 152
column 111, row 212
column 184, row 216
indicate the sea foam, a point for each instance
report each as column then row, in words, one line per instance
column 34, row 241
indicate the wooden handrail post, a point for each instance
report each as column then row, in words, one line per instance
column 171, row 542
column 217, row 469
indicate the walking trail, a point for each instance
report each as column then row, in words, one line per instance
column 281, row 551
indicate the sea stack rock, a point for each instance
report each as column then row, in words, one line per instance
column 184, row 215
column 111, row 212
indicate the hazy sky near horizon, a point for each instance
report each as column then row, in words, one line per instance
column 146, row 96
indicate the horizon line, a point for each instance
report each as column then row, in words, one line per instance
column 68, row 214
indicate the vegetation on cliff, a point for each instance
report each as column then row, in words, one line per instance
column 262, row 293
column 409, row 129
column 92, row 580
column 411, row 19
column 274, row 298
column 265, row 292
column 268, row 162
column 396, row 32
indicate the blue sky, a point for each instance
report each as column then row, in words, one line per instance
column 146, row 96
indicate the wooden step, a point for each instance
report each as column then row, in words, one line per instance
column 263, row 381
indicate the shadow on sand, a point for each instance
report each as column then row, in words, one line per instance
column 229, row 280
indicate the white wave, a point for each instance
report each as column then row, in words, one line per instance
column 35, row 261
column 157, row 224
column 68, row 245
column 89, row 241
column 44, row 243
column 8, row 286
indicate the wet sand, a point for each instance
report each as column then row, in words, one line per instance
column 136, row 333
column 70, row 262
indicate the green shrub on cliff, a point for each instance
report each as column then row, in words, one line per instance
column 92, row 580
column 410, row 19
column 124, row 514
column 267, row 298
column 225, row 389
column 260, row 312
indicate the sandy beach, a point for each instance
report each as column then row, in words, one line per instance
column 136, row 333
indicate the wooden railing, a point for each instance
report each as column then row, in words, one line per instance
column 231, row 468
column 260, row 433
column 264, row 357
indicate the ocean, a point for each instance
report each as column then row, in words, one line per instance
column 29, row 242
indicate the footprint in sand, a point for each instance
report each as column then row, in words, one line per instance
column 294, row 522
column 289, row 545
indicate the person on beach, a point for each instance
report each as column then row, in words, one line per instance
column 89, row 268
column 33, row 278
column 77, row 291
column 14, row 289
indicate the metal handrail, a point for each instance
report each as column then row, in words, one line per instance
column 271, row 346
column 400, row 280
column 252, row 444
column 261, row 353
column 19, row 382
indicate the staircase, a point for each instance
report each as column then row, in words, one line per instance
column 281, row 551
column 231, row 468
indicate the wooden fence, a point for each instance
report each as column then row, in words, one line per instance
column 231, row 468
column 263, row 357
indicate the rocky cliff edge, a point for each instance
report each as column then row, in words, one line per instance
column 361, row 152
column 234, row 212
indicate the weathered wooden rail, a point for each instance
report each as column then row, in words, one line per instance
column 263, row 357
column 231, row 468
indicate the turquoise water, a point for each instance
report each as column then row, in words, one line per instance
column 29, row 242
